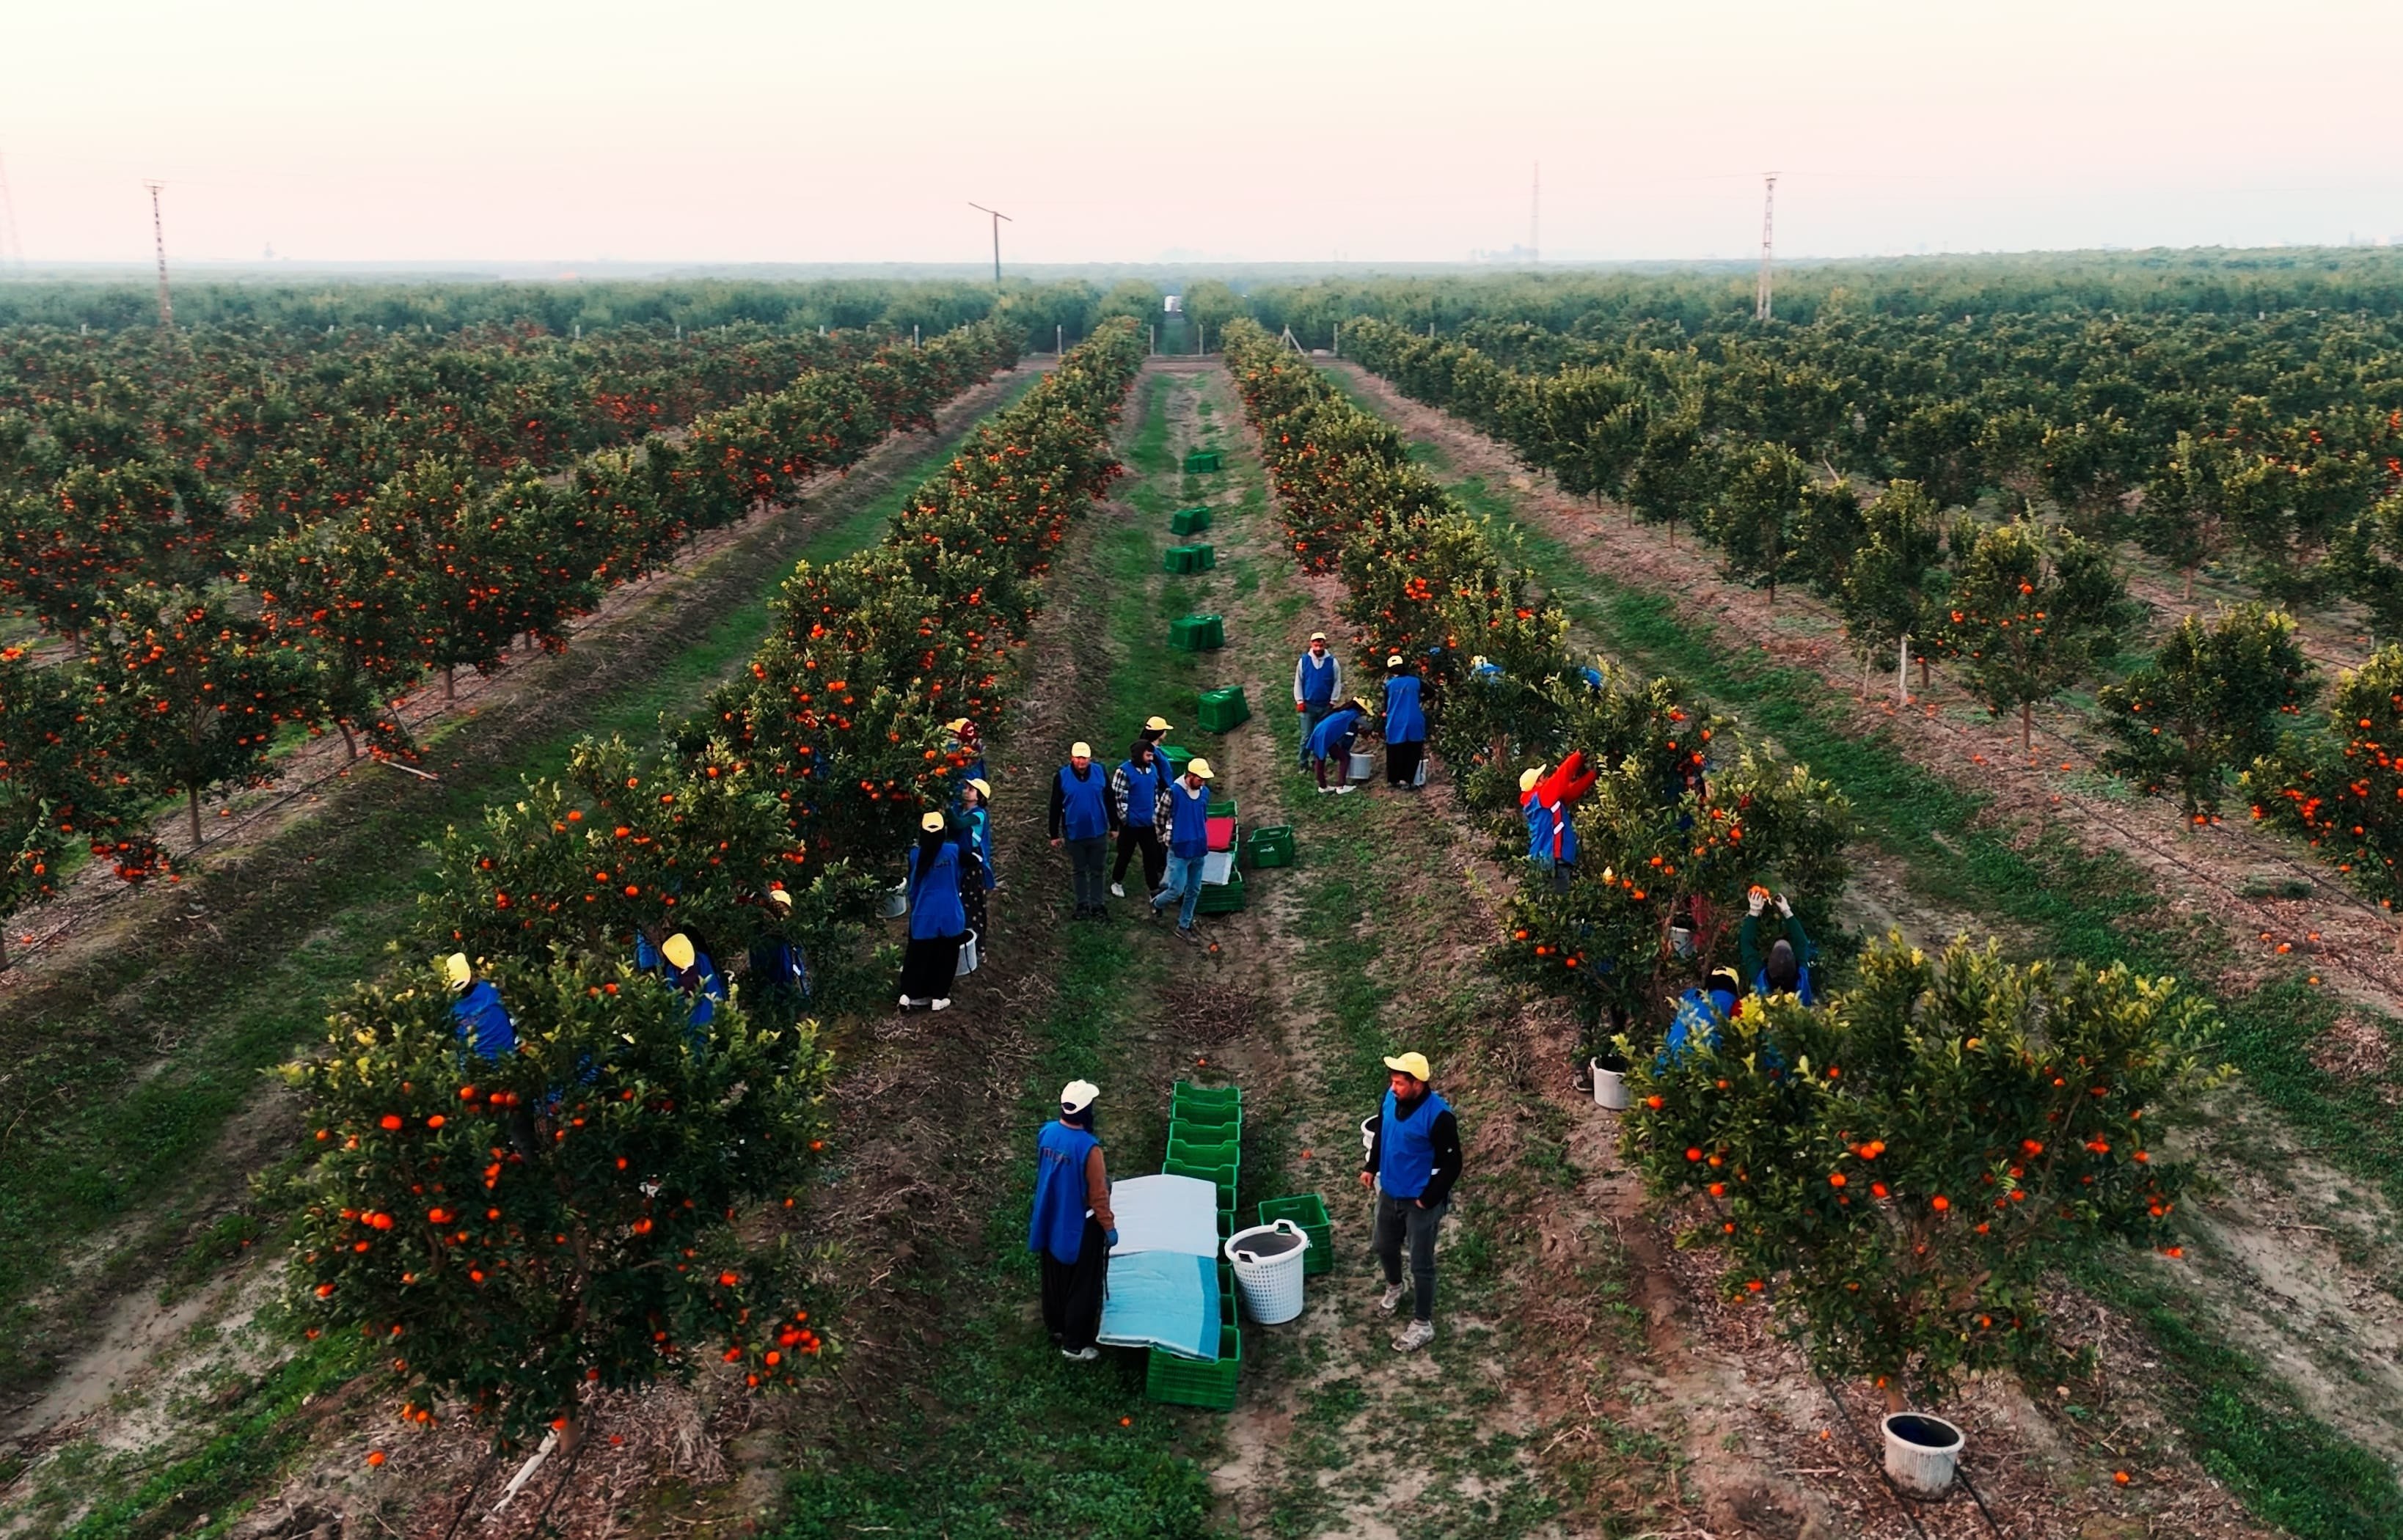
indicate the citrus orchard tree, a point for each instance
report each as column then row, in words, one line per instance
column 1895, row 1170
column 2344, row 792
column 2210, row 702
column 2031, row 614
column 60, row 792
column 509, row 1231
column 1890, row 588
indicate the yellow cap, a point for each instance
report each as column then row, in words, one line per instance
column 1394, row 662
column 779, row 897
column 1200, row 768
column 1318, row 636
column 455, row 968
column 1080, row 750
column 983, row 788
column 1413, row 1064
column 1155, row 725
column 677, row 949
column 1478, row 661
column 932, row 823
column 956, row 725
column 1527, row 780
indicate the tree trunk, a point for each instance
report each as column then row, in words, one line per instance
column 194, row 808
column 2189, row 586
column 1923, row 674
column 2027, row 713
column 449, row 682
column 350, row 739
column 4, row 953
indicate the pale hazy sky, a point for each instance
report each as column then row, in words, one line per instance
column 734, row 130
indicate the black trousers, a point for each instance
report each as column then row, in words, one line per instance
column 1402, row 763
column 928, row 966
column 1072, row 1291
column 1144, row 837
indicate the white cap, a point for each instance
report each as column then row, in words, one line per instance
column 1318, row 636
column 781, row 899
column 1394, row 662
column 455, row 968
column 1076, row 1095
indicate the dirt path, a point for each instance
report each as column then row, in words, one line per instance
column 71, row 925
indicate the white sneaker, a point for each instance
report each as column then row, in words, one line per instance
column 1418, row 1335
column 905, row 1001
column 942, row 1005
column 1345, row 791
column 1086, row 1356
column 1391, row 1300
column 1118, row 890
column 1330, row 791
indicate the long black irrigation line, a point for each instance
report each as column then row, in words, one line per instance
column 1902, row 1502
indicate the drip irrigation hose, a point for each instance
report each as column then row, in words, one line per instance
column 1902, row 1500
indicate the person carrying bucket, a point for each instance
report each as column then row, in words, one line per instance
column 1071, row 1227
column 1413, row 1160
column 1332, row 740
column 1318, row 684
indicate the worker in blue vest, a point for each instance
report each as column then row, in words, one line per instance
column 1332, row 740
column 965, row 741
column 1083, row 818
column 974, row 820
column 776, row 973
column 687, row 967
column 939, row 922
column 1784, row 969
column 1072, row 1227
column 1189, row 846
column 1139, row 792
column 1413, row 1160
column 1405, row 728
column 1317, row 684
column 484, row 1026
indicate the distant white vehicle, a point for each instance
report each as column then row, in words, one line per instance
column 1173, row 304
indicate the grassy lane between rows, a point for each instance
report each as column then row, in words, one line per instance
column 995, row 1433
column 130, row 1171
column 2287, row 1466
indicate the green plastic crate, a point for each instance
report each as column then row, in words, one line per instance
column 1175, row 754
column 1189, row 520
column 1223, row 807
column 1188, row 1094
column 1204, row 1150
column 1186, row 1383
column 1199, row 461
column 1222, row 1174
column 1209, row 1117
column 1309, row 1212
column 1224, row 709
column 1222, row 898
column 1185, row 560
column 1198, row 633
column 1270, row 845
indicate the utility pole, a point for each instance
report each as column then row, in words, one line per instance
column 158, row 232
column 12, row 250
column 1768, row 212
column 997, row 217
column 1535, row 218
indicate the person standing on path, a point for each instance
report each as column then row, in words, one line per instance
column 1189, row 846
column 1331, row 740
column 1155, row 732
column 1412, row 1163
column 1139, row 793
column 1317, row 682
column 1071, row 1227
column 976, row 866
column 1083, row 818
column 1405, row 728
column 939, row 922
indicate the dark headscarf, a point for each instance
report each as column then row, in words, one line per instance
column 1783, row 970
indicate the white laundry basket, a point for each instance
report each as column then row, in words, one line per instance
column 1268, row 1262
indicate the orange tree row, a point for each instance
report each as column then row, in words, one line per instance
column 184, row 688
column 578, row 1212
column 1900, row 1164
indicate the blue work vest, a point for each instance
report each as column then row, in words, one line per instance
column 979, row 822
column 1318, row 679
column 1803, row 989
column 935, row 913
column 1405, row 723
column 1332, row 734
column 1084, row 804
column 1188, row 821
column 1405, row 1147
column 1142, row 793
column 1057, row 1225
column 484, row 1023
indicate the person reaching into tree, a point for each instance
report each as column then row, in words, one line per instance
column 777, row 977
column 976, row 878
column 1547, row 803
column 939, row 922
column 485, row 1029
column 1784, row 968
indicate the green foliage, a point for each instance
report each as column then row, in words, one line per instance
column 511, row 1231
column 2210, row 700
column 1751, row 518
column 1903, row 1165
column 2344, row 793
column 1892, row 588
column 2031, row 614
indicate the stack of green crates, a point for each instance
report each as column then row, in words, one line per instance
column 1206, row 1134
column 1221, row 898
column 1187, row 560
column 1270, row 845
column 1189, row 520
column 1198, row 633
column 1223, row 804
column 1224, row 709
column 1200, row 461
column 1309, row 1214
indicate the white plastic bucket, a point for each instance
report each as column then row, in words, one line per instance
column 1610, row 1087
column 1417, row 777
column 1268, row 1261
column 1362, row 766
column 896, row 901
column 969, row 958
column 1368, row 1132
column 1921, row 1452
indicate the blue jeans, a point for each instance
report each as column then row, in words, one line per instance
column 1184, row 881
column 1312, row 715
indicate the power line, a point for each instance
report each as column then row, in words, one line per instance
column 997, row 217
column 158, row 231
column 1768, row 212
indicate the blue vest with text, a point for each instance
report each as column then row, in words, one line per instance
column 1058, row 1224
